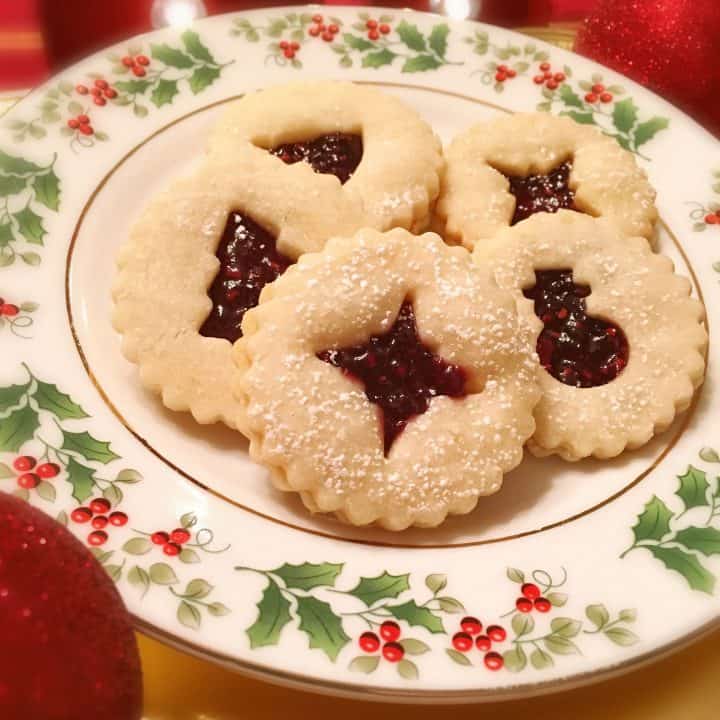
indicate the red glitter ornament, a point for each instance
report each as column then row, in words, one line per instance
column 68, row 649
column 670, row 46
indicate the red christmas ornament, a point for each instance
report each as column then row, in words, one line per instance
column 67, row 649
column 670, row 46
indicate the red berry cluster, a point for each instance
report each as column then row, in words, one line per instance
column 531, row 598
column 598, row 92
column 137, row 64
column 81, row 123
column 96, row 513
column 710, row 219
column 101, row 91
column 375, row 29
column 32, row 474
column 171, row 542
column 503, row 73
column 470, row 634
column 551, row 80
column 289, row 48
column 319, row 28
column 8, row 309
column 392, row 650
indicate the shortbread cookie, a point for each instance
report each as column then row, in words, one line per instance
column 386, row 379
column 196, row 260
column 620, row 338
column 355, row 147
column 501, row 172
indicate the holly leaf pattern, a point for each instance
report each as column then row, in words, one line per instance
column 703, row 539
column 49, row 398
column 11, row 396
column 693, row 488
column 47, row 190
column 647, row 130
column 82, row 479
column 438, row 39
column 597, row 615
column 357, row 43
column 570, row 97
column 540, row 660
column 273, row 616
column 86, row 445
column 624, row 115
column 322, row 626
column 308, row 575
column 203, row 77
column 164, row 92
column 565, row 627
column 621, row 636
column 515, row 659
column 370, row 590
column 421, row 63
column 560, row 645
column 6, row 234
column 17, row 428
column 654, row 521
column 171, row 56
column 411, row 36
column 11, row 185
column 379, row 58
column 188, row 615
column 30, row 225
column 191, row 41
column 17, row 165
column 413, row 614
column 697, row 577
column 584, row 118
column 133, row 87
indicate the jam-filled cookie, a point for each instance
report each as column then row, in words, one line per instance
column 386, row 379
column 355, row 147
column 501, row 172
column 197, row 260
column 621, row 341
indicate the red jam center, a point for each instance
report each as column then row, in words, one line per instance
column 249, row 260
column 575, row 348
column 541, row 193
column 400, row 374
column 337, row 154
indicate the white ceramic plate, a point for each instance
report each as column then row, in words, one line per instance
column 626, row 552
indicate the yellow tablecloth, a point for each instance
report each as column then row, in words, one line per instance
column 685, row 686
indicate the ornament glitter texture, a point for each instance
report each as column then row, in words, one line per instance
column 669, row 46
column 67, row 649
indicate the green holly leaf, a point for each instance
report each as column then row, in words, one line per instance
column 438, row 39
column 458, row 657
column 276, row 27
column 357, row 43
column 413, row 614
column 308, row 575
column 188, row 615
column 414, row 647
column 364, row 663
column 421, row 63
column 625, row 115
column 408, row 670
column 565, row 627
column 570, row 97
column 11, row 396
column 647, row 130
column 164, row 92
column 411, row 36
column 515, row 575
column 30, row 225
column 379, row 58
column 47, row 190
column 621, row 636
column 133, row 87
column 697, row 577
column 597, row 615
column 86, row 445
column 171, row 56
column 273, row 616
column 370, row 590
column 202, row 78
column 6, row 234
column 197, row 589
column 11, row 185
column 322, row 626
column 515, row 659
column 693, row 488
column 584, row 118
column 218, row 609
column 17, row 428
column 709, row 455
column 522, row 624
column 436, row 582
column 137, row 546
column 540, row 660
column 191, row 41
column 654, row 521
column 49, row 398
column 139, row 578
column 703, row 539
column 81, row 478
column 560, row 645
column 17, row 165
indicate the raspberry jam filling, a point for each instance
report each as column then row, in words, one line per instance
column 575, row 348
column 249, row 260
column 400, row 374
column 541, row 193
column 338, row 154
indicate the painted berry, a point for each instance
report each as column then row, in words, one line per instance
column 142, row 60
column 81, row 515
column 545, row 66
column 559, row 77
column 393, row 652
column 294, row 45
column 110, row 93
column 24, row 462
column 390, row 631
column 102, row 84
column 48, row 470
column 591, row 98
column 496, row 633
column 523, row 605
column 539, row 79
column 369, row 642
column 598, row 88
column 606, row 97
column 333, row 28
column 97, row 537
column 95, row 91
column 159, row 538
column 83, row 119
column 171, row 549
column 138, row 71
column 9, row 310
column 283, row 44
column 371, row 24
column 551, row 85
column 471, row 625
column 542, row 604
column 86, row 130
column 179, row 536
column 73, row 123
column 127, row 61
column 530, row 591
column 289, row 53
column 314, row 31
column 317, row 18
column 511, row 73
column 500, row 76
column 483, row 643
column 462, row 641
column 493, row 661
column 327, row 36
column 373, row 34
column 81, row 90
column 712, row 219
column 99, row 506
column 28, row 481
column 118, row 519
column 384, row 28
column 99, row 522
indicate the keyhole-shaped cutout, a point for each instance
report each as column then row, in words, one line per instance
column 541, row 193
column 574, row 347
